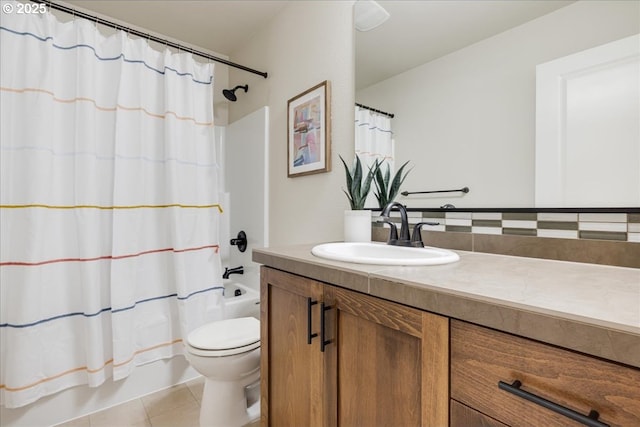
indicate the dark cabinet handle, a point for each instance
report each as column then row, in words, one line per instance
column 590, row 420
column 310, row 335
column 323, row 340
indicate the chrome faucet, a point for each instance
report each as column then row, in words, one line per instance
column 403, row 240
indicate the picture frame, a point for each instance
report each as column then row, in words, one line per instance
column 309, row 131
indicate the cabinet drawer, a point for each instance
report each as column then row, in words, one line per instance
column 463, row 416
column 481, row 358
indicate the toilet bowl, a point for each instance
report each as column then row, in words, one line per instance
column 227, row 354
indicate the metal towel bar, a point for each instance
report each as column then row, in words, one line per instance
column 464, row 190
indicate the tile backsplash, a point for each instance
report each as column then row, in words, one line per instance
column 600, row 226
column 611, row 238
column 574, row 225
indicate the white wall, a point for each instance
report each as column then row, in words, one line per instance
column 307, row 43
column 468, row 118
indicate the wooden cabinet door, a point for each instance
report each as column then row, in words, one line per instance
column 391, row 362
column 292, row 371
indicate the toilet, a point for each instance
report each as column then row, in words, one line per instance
column 227, row 354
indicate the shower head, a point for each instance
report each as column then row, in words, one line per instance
column 230, row 94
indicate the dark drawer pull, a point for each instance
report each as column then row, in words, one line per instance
column 310, row 335
column 590, row 420
column 323, row 340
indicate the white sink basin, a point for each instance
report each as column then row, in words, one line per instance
column 383, row 254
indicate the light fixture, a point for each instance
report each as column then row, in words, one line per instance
column 368, row 14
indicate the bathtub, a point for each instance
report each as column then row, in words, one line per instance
column 240, row 301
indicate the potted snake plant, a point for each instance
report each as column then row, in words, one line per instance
column 387, row 189
column 357, row 220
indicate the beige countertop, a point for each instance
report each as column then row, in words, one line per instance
column 594, row 309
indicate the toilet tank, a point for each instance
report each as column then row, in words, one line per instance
column 240, row 301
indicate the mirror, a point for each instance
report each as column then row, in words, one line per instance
column 464, row 97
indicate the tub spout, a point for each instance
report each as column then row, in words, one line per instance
column 229, row 271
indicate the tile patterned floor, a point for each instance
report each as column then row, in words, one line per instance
column 178, row 406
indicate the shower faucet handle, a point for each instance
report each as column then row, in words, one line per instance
column 240, row 241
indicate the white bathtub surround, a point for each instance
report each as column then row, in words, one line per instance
column 246, row 171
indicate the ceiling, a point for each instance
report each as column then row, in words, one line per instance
column 418, row 31
column 221, row 26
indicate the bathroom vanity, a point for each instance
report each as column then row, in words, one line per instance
column 490, row 340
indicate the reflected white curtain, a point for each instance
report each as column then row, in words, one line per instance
column 373, row 140
column 109, row 210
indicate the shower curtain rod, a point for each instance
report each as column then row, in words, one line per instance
column 146, row 36
column 390, row 115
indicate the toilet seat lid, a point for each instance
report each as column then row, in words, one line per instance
column 226, row 334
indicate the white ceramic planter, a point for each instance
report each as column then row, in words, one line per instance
column 357, row 226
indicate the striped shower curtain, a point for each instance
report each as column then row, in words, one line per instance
column 109, row 211
column 373, row 141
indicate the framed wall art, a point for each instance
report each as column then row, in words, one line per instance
column 309, row 131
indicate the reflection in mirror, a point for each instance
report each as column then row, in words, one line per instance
column 588, row 127
column 465, row 114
